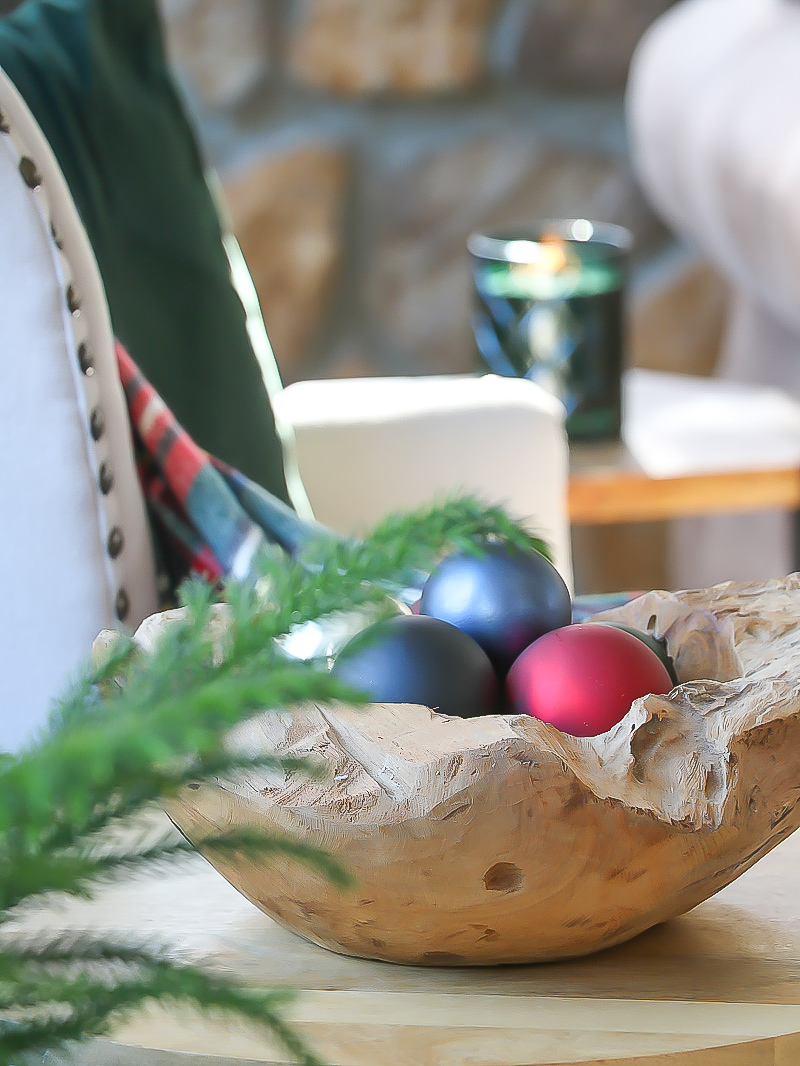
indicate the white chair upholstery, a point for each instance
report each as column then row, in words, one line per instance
column 74, row 538
column 368, row 446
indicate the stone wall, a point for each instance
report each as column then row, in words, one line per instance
column 360, row 141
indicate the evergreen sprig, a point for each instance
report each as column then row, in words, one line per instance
column 139, row 727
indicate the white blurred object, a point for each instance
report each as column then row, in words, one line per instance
column 714, row 135
column 715, row 138
column 677, row 424
column 370, row 446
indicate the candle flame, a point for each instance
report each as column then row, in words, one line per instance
column 544, row 257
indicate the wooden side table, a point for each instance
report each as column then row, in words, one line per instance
column 717, row 987
column 723, row 446
column 607, row 485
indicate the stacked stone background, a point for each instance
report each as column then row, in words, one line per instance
column 359, row 142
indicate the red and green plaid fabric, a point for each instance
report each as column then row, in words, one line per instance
column 185, row 491
column 212, row 517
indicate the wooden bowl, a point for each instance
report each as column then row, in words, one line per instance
column 501, row 839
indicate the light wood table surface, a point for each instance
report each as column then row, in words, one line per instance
column 717, row 987
column 607, row 485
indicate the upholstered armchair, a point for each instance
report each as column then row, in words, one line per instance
column 75, row 539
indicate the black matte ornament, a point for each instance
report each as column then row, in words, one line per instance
column 411, row 659
column 504, row 599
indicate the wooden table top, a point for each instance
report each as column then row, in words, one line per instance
column 724, row 977
column 607, row 485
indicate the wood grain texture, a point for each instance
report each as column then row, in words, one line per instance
column 607, row 486
column 500, row 839
column 717, row 987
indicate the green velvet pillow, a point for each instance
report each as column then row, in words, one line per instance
column 94, row 74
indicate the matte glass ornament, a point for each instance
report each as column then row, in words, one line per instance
column 503, row 598
column 583, row 678
column 413, row 659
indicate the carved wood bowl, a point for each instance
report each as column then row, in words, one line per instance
column 501, row 839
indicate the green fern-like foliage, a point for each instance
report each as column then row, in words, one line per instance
column 137, row 728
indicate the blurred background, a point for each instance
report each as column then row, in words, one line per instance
column 359, row 143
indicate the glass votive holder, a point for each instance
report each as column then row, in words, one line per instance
column 548, row 305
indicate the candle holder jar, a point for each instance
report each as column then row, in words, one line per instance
column 549, row 307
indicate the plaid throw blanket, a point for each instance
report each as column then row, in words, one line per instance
column 213, row 520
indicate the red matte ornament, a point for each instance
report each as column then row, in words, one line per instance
column 583, row 678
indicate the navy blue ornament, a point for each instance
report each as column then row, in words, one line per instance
column 504, row 599
column 411, row 659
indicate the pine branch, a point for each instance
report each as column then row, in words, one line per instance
column 77, row 873
column 95, row 1004
column 360, row 572
column 254, row 844
column 33, row 953
column 120, row 751
column 117, row 810
column 136, row 728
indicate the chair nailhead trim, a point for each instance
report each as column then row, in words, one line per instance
column 116, row 542
column 106, row 478
column 32, row 177
column 97, row 423
column 122, row 605
column 73, row 300
column 30, row 172
column 85, row 359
